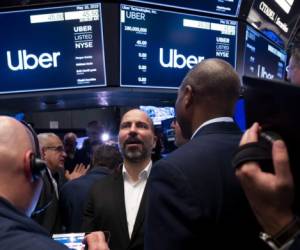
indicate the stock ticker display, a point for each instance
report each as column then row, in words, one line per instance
column 61, row 48
column 158, row 48
column 263, row 58
column 223, row 7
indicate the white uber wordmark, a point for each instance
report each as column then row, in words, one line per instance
column 176, row 60
column 27, row 61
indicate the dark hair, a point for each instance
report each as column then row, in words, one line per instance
column 106, row 156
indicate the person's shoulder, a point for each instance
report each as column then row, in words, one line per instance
column 30, row 240
column 103, row 183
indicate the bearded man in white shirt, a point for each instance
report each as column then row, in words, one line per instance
column 117, row 203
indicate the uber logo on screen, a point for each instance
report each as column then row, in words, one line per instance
column 27, row 61
column 177, row 60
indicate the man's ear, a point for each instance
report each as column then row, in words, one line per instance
column 43, row 152
column 27, row 164
column 188, row 96
column 155, row 138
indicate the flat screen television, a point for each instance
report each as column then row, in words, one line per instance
column 51, row 48
column 158, row 114
column 263, row 58
column 275, row 18
column 158, row 47
column 223, row 7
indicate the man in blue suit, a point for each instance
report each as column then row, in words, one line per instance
column 74, row 194
column 195, row 200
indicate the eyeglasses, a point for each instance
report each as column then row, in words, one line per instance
column 59, row 149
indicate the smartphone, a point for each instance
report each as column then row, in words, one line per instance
column 71, row 240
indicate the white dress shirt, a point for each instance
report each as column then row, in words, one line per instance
column 133, row 193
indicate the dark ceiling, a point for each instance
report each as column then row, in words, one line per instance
column 91, row 98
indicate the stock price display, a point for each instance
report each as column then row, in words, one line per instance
column 159, row 47
column 60, row 48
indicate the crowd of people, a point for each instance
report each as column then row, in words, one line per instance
column 191, row 199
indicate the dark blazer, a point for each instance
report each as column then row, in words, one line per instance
column 296, row 244
column 74, row 195
column 195, row 200
column 50, row 217
column 106, row 210
column 17, row 231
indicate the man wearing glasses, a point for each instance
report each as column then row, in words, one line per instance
column 293, row 69
column 47, row 212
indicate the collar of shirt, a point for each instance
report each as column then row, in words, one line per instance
column 143, row 175
column 218, row 119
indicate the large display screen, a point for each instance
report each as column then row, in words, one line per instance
column 224, row 7
column 158, row 114
column 275, row 18
column 159, row 47
column 51, row 48
column 263, row 58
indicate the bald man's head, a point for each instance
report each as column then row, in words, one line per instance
column 209, row 90
column 16, row 149
column 15, row 141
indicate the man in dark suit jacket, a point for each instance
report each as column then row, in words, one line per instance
column 47, row 211
column 74, row 194
column 195, row 201
column 117, row 202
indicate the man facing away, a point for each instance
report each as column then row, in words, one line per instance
column 117, row 203
column 195, row 201
column 74, row 194
column 19, row 192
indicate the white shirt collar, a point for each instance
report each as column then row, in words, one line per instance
column 144, row 174
column 214, row 120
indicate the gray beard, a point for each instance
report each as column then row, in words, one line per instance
column 135, row 155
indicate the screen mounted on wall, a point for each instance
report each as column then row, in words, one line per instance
column 263, row 58
column 159, row 47
column 275, row 18
column 223, row 7
column 51, row 48
column 158, row 114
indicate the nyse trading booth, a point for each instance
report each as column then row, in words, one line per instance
column 64, row 62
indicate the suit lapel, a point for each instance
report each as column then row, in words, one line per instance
column 119, row 206
column 141, row 213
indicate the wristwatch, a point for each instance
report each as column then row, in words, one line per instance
column 285, row 237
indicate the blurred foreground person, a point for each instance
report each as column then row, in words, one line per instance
column 271, row 195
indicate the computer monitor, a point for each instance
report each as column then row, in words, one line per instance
column 263, row 58
column 159, row 47
column 51, row 48
column 275, row 105
column 227, row 7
